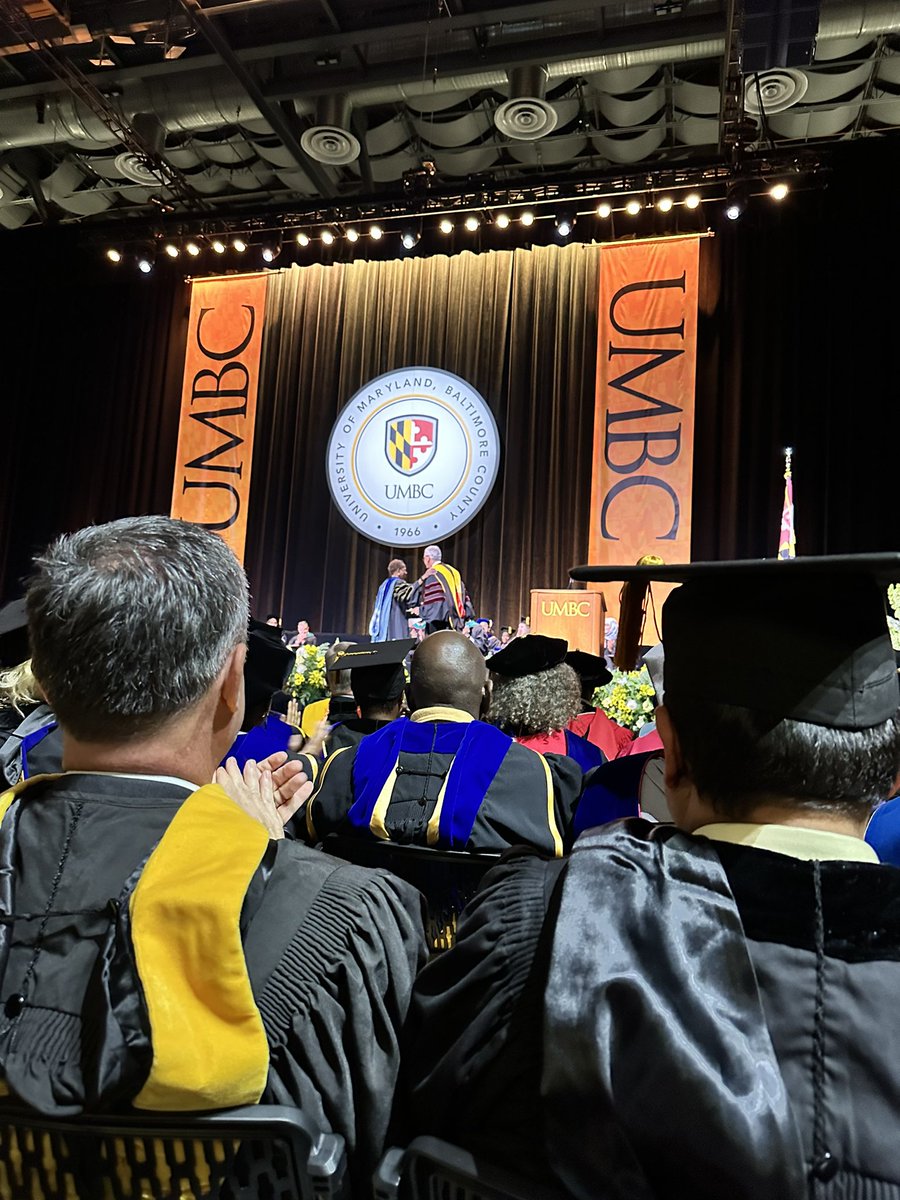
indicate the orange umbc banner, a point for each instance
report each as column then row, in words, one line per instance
column 644, row 408
column 218, row 405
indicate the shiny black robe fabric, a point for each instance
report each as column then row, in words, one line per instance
column 331, row 953
column 643, row 1024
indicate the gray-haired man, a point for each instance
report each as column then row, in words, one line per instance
column 439, row 594
column 179, row 961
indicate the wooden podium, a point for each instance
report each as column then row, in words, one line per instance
column 577, row 616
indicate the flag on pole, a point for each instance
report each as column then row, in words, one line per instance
column 787, row 544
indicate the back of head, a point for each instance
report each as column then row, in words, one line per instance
column 783, row 690
column 432, row 552
column 447, row 669
column 395, row 566
column 525, row 705
column 131, row 622
column 338, row 678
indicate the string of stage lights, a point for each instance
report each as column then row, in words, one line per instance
column 268, row 241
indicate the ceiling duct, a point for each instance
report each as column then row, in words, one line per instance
column 330, row 141
column 526, row 115
column 774, row 91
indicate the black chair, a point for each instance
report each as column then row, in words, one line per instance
column 434, row 1170
column 448, row 879
column 260, row 1152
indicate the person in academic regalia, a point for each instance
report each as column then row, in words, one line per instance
column 439, row 595
column 593, row 723
column 442, row 777
column 707, row 1009
column 389, row 621
column 137, row 861
column 535, row 696
column 377, row 681
column 266, row 666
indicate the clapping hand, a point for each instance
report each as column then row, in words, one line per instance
column 270, row 791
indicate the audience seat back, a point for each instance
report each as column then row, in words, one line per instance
column 448, row 879
column 431, row 1169
column 238, row 1154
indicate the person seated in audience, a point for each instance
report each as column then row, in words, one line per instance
column 443, row 777
column 593, row 723
column 266, row 666
column 535, row 696
column 338, row 705
column 302, row 637
column 187, row 956
column 377, row 681
column 710, row 1009
column 274, row 619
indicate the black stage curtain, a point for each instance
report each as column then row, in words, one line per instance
column 796, row 346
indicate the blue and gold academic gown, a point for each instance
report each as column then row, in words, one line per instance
column 188, row 962
column 442, row 779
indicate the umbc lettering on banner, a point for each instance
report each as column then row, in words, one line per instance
column 644, row 417
column 219, row 406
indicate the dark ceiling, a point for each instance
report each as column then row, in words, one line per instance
column 215, row 112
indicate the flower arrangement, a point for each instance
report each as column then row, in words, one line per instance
column 894, row 622
column 307, row 681
column 627, row 699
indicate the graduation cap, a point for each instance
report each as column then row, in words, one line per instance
column 14, row 648
column 266, row 665
column 803, row 638
column 529, row 655
column 376, row 669
column 590, row 668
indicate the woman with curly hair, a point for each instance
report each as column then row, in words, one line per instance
column 535, row 696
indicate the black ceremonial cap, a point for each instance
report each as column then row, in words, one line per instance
column 591, row 668
column 266, row 665
column 528, row 655
column 803, row 638
column 376, row 669
column 13, row 634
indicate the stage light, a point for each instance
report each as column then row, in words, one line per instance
column 502, row 221
column 527, row 218
column 664, row 204
column 302, row 239
column 735, row 202
column 144, row 265
column 218, row 245
column 376, row 233
column 114, row 255
column 633, row 207
column 271, row 249
column 409, row 238
column 192, row 248
column 565, row 223
column 171, row 249
column 238, row 244
column 445, row 226
column 778, row 191
column 692, row 200
column 327, row 237
column 603, row 209
column 471, row 223
column 352, row 235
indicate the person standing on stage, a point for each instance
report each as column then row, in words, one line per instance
column 440, row 595
column 389, row 621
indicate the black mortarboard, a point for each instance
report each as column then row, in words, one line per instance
column 266, row 665
column 529, row 655
column 590, row 668
column 376, row 669
column 13, row 634
column 804, row 638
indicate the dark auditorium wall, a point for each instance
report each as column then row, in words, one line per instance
column 795, row 346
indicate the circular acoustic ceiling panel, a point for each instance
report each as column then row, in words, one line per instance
column 331, row 145
column 778, row 89
column 526, row 118
column 134, row 167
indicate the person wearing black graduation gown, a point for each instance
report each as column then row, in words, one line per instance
column 443, row 777
column 706, row 1009
column 378, row 681
column 191, row 957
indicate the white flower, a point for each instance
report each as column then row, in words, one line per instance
column 632, row 704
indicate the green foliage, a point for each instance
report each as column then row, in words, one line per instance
column 627, row 698
column 307, row 681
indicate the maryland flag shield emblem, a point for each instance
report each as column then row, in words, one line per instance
column 411, row 443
